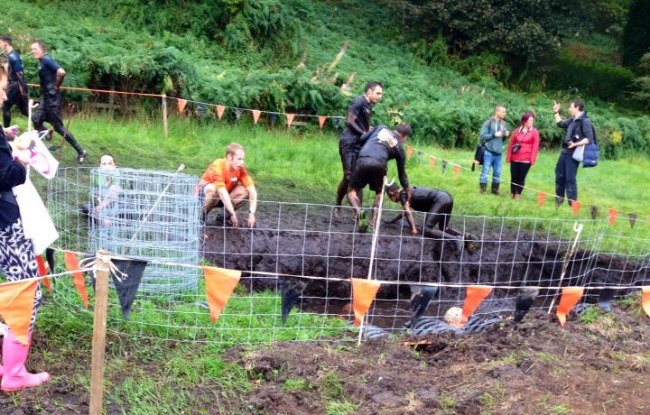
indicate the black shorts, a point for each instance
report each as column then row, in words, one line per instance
column 15, row 98
column 349, row 151
column 368, row 172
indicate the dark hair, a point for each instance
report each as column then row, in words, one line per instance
column 372, row 85
column 393, row 188
column 6, row 38
column 404, row 129
column 579, row 104
column 41, row 44
column 524, row 118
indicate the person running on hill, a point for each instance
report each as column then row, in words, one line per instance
column 357, row 123
column 17, row 91
column 522, row 153
column 381, row 145
column 51, row 76
column 226, row 183
column 492, row 133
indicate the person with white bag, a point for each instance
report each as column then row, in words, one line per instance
column 579, row 133
column 17, row 262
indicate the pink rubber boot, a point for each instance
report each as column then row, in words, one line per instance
column 14, row 355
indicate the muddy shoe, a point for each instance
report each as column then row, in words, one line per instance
column 82, row 157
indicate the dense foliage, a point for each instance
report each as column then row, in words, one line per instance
column 636, row 35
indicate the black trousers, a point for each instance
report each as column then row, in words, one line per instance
column 49, row 111
column 14, row 97
column 518, row 173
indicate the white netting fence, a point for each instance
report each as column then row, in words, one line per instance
column 305, row 251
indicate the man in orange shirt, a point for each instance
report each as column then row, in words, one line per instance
column 227, row 183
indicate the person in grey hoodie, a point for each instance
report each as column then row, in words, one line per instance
column 492, row 133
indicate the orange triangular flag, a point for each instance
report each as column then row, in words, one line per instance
column 17, row 306
column 409, row 152
column 220, row 110
column 72, row 264
column 290, row 119
column 432, row 162
column 645, row 299
column 613, row 213
column 541, row 198
column 182, row 104
column 570, row 297
column 363, row 294
column 321, row 121
column 473, row 298
column 575, row 206
column 219, row 285
column 456, row 170
column 42, row 271
column 256, row 115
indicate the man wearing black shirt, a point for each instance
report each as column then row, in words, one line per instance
column 51, row 76
column 381, row 145
column 17, row 91
column 357, row 123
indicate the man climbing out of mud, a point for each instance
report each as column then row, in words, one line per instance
column 357, row 123
column 381, row 145
column 226, row 183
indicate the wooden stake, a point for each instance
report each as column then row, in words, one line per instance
column 164, row 114
column 99, row 334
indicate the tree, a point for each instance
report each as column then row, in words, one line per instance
column 636, row 35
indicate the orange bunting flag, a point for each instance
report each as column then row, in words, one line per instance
column 220, row 110
column 541, row 198
column 473, row 298
column 290, row 118
column 570, row 297
column 645, row 299
column 432, row 162
column 363, row 294
column 409, row 152
column 613, row 213
column 456, row 170
column 17, row 306
column 72, row 264
column 575, row 206
column 182, row 104
column 321, row 121
column 256, row 115
column 42, row 271
column 219, row 285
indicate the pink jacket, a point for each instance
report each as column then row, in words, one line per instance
column 529, row 142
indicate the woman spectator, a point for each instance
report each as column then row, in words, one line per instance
column 522, row 153
column 17, row 262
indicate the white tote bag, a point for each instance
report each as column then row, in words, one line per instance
column 579, row 154
column 36, row 219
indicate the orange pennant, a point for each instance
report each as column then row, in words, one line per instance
column 645, row 299
column 182, row 104
column 220, row 110
column 409, row 152
column 363, row 294
column 72, row 264
column 17, row 306
column 321, row 121
column 219, row 285
column 256, row 115
column 473, row 298
column 575, row 206
column 456, row 170
column 432, row 162
column 541, row 198
column 42, row 271
column 613, row 213
column 290, row 119
column 570, row 297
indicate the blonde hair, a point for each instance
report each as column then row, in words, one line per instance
column 232, row 148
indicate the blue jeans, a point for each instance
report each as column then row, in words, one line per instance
column 492, row 160
column 566, row 171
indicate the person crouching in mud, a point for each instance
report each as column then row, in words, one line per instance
column 380, row 145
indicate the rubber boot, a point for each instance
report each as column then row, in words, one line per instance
column 495, row 189
column 483, row 187
column 14, row 355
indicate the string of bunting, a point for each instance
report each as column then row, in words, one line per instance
column 612, row 214
column 17, row 297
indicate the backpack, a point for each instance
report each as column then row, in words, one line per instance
column 592, row 150
column 480, row 150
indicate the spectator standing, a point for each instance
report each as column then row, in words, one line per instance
column 492, row 133
column 522, row 153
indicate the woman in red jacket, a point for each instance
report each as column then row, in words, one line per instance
column 522, row 153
